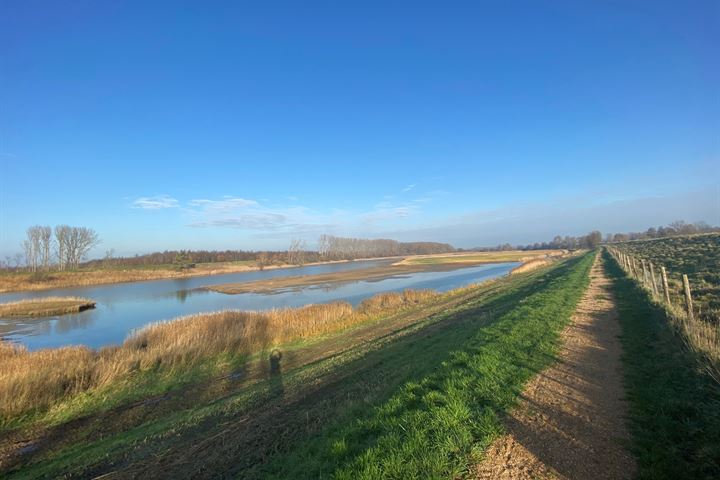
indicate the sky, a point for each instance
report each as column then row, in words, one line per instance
column 242, row 125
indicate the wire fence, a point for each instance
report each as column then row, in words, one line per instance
column 701, row 336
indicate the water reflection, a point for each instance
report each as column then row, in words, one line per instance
column 124, row 307
column 67, row 323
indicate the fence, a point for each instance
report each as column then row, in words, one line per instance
column 701, row 336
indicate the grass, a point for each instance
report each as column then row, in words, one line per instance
column 32, row 382
column 436, row 425
column 446, row 376
column 674, row 404
column 42, row 307
column 698, row 256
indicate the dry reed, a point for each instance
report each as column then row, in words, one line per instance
column 32, row 381
column 45, row 306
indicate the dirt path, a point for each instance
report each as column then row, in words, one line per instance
column 569, row 423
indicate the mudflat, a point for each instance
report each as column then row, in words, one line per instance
column 371, row 274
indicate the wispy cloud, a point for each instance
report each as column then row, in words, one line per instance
column 226, row 204
column 158, row 202
column 246, row 214
column 386, row 210
column 264, row 218
column 408, row 188
column 250, row 221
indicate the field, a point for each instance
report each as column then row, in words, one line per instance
column 47, row 306
column 364, row 394
column 697, row 256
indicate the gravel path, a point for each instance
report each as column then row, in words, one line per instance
column 570, row 419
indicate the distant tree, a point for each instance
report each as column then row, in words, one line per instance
column 182, row 261
column 80, row 241
column 593, row 239
column 44, row 243
column 262, row 260
column 32, row 245
column 107, row 260
column 296, row 252
column 62, row 235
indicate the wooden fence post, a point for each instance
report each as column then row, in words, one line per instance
column 644, row 277
column 688, row 297
column 654, row 283
column 665, row 284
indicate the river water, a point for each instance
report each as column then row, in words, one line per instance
column 123, row 307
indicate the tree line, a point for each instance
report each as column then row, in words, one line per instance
column 329, row 248
column 346, row 248
column 64, row 250
column 595, row 238
column 66, row 247
column 567, row 242
column 678, row 227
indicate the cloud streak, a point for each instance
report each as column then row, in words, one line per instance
column 157, row 202
column 226, row 204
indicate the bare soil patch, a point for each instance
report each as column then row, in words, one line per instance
column 570, row 419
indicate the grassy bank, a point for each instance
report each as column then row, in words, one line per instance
column 675, row 405
column 437, row 424
column 43, row 307
column 445, row 371
column 31, row 383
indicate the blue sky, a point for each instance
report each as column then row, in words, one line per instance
column 243, row 125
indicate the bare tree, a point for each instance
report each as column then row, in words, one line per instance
column 262, row 260
column 80, row 241
column 32, row 246
column 44, row 242
column 62, row 234
column 296, row 252
column 109, row 254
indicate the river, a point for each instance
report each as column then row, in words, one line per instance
column 124, row 307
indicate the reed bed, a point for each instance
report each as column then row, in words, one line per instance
column 38, row 307
column 34, row 381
